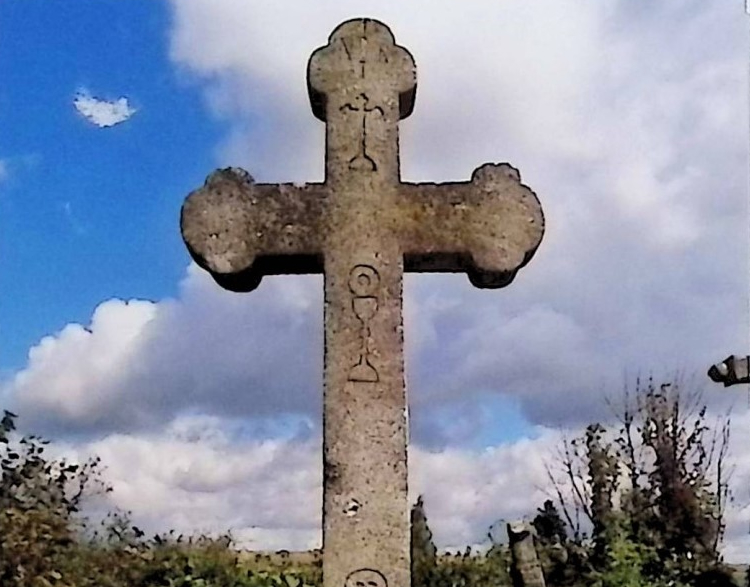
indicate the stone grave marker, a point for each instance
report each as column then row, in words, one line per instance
column 362, row 228
column 526, row 570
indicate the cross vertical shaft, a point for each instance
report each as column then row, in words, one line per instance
column 365, row 431
column 365, row 524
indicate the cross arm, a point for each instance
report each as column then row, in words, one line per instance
column 488, row 227
column 239, row 230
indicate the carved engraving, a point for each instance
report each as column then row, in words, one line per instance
column 352, row 508
column 362, row 161
column 346, row 49
column 361, row 61
column 366, row 578
column 364, row 281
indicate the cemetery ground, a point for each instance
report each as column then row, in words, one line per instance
column 45, row 538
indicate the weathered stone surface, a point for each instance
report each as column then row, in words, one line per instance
column 363, row 228
column 239, row 230
column 526, row 570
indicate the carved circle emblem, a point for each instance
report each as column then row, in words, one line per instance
column 366, row 578
column 363, row 280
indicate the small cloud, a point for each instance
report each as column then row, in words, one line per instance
column 3, row 170
column 72, row 219
column 102, row 113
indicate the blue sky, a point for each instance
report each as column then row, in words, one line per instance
column 629, row 124
column 89, row 213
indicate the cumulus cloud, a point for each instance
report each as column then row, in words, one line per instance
column 100, row 112
column 205, row 424
column 204, row 474
column 625, row 127
column 200, row 474
column 68, row 374
column 199, row 477
column 139, row 363
column 637, row 271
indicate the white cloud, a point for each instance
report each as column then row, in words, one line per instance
column 193, row 478
column 139, row 362
column 198, row 476
column 3, row 170
column 631, row 126
column 102, row 113
column 615, row 116
column 201, row 475
column 72, row 219
column 68, row 372
column 195, row 389
column 639, row 137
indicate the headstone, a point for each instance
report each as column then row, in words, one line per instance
column 362, row 228
column 526, row 570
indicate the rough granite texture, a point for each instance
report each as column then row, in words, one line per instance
column 363, row 228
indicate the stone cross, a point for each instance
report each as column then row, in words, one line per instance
column 362, row 228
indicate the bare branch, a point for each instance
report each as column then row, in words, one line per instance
column 575, row 527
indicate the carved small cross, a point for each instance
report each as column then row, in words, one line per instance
column 362, row 228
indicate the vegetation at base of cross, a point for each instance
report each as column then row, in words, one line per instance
column 651, row 492
column 45, row 542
